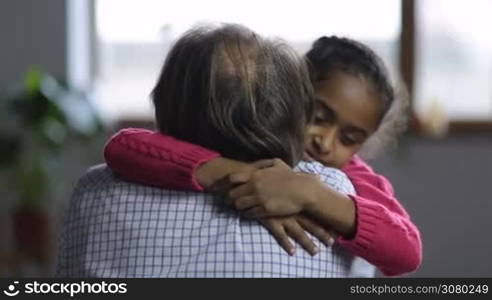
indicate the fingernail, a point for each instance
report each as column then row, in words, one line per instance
column 330, row 242
column 292, row 251
column 315, row 250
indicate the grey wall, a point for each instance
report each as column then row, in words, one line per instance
column 32, row 33
column 446, row 187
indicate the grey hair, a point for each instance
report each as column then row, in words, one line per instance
column 228, row 89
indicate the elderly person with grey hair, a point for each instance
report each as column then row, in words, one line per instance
column 226, row 89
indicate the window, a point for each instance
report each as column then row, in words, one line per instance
column 454, row 58
column 133, row 36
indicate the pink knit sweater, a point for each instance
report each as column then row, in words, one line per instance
column 385, row 235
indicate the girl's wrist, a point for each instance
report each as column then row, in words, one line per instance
column 331, row 208
column 206, row 173
column 312, row 191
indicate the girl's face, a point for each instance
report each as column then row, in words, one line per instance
column 347, row 111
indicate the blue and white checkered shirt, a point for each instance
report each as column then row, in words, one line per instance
column 114, row 228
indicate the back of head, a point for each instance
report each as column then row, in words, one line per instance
column 230, row 90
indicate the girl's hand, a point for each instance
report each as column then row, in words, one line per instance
column 296, row 227
column 214, row 172
column 225, row 174
column 272, row 191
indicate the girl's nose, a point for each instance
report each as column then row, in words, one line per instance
column 325, row 141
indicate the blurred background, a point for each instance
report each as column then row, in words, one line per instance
column 72, row 72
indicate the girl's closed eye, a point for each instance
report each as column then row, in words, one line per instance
column 352, row 138
column 348, row 140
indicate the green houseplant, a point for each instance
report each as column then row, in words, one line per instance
column 36, row 122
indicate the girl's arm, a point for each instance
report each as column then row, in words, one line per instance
column 280, row 191
column 385, row 234
column 148, row 157
column 151, row 158
column 372, row 225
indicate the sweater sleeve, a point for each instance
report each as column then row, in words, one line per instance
column 385, row 235
column 149, row 157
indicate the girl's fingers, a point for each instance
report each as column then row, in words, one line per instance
column 264, row 163
column 240, row 191
column 277, row 162
column 317, row 230
column 295, row 231
column 245, row 202
column 255, row 212
column 239, row 178
column 278, row 232
column 221, row 186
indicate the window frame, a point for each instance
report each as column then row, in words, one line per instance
column 407, row 58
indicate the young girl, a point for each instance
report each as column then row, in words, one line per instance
column 353, row 95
